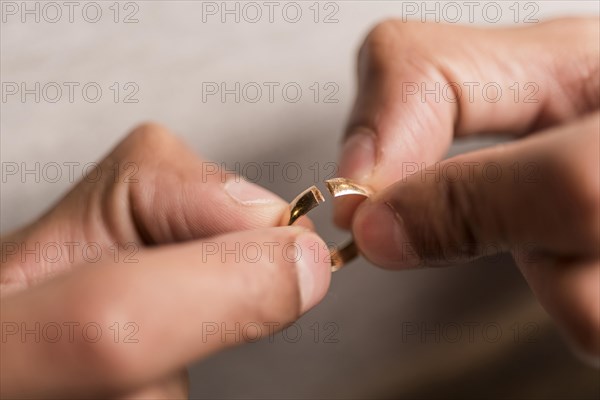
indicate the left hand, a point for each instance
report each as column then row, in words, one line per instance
column 228, row 272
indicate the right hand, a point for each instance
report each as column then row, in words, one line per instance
column 461, row 208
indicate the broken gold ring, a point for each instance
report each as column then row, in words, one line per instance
column 312, row 197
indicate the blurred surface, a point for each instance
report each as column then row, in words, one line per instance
column 361, row 341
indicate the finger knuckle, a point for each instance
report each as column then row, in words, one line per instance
column 149, row 136
column 579, row 39
column 376, row 45
column 383, row 31
column 393, row 34
column 146, row 144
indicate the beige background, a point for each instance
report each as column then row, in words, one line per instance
column 168, row 54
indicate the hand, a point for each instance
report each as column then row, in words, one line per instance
column 421, row 85
column 177, row 257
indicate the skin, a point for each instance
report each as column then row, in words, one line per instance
column 178, row 281
column 175, row 285
column 547, row 215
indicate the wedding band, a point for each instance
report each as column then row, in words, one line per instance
column 312, row 197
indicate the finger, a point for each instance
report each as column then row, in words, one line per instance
column 164, row 193
column 568, row 291
column 151, row 189
column 421, row 84
column 539, row 198
column 175, row 297
column 541, row 192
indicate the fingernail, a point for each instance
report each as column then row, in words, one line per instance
column 314, row 269
column 358, row 155
column 249, row 193
column 380, row 235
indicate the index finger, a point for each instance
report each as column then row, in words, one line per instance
column 420, row 85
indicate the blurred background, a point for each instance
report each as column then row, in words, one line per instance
column 471, row 331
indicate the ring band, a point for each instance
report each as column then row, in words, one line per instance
column 312, row 197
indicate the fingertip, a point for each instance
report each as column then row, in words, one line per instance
column 314, row 269
column 358, row 154
column 357, row 162
column 380, row 236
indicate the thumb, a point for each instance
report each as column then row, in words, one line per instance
column 540, row 192
column 537, row 198
column 174, row 304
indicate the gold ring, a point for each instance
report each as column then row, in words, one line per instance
column 312, row 197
